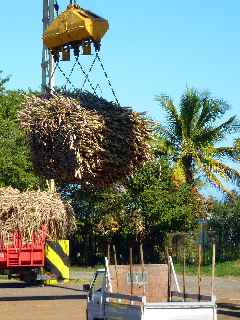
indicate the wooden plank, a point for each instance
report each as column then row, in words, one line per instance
column 169, row 276
column 124, row 297
column 193, row 296
column 184, row 274
column 199, row 271
column 131, row 269
column 109, row 280
column 143, row 269
column 181, row 305
column 213, row 268
column 115, row 264
column 155, row 281
column 174, row 274
column 109, row 254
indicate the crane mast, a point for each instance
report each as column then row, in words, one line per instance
column 47, row 59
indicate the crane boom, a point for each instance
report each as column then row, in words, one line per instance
column 47, row 59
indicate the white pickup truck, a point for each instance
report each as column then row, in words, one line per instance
column 104, row 304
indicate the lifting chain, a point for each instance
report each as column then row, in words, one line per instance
column 89, row 71
column 98, row 87
column 86, row 74
column 65, row 76
column 70, row 74
column 107, row 78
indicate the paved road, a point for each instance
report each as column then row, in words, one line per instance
column 21, row 302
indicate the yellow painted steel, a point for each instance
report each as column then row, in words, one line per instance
column 65, row 246
column 75, row 25
column 50, row 282
column 57, row 256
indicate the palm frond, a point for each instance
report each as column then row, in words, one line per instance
column 174, row 121
column 167, row 134
column 214, row 135
column 190, row 106
column 212, row 109
column 232, row 153
column 225, row 171
column 212, row 178
column 162, row 146
column 205, row 167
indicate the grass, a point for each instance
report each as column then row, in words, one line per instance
column 78, row 282
column 86, row 268
column 222, row 269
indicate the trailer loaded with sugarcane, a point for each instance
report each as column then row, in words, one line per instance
column 32, row 225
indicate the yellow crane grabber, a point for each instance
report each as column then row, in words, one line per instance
column 74, row 29
column 77, row 29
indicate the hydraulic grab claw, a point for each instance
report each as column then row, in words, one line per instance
column 75, row 28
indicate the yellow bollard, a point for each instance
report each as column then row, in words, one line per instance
column 57, row 260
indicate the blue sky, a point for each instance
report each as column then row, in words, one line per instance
column 152, row 47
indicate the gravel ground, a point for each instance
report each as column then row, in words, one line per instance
column 21, row 302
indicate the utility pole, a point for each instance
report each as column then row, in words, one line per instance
column 47, row 59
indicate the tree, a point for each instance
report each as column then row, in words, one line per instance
column 192, row 136
column 3, row 81
column 15, row 163
column 224, row 222
column 148, row 206
column 164, row 207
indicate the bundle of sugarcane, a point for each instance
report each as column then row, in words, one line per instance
column 85, row 140
column 28, row 211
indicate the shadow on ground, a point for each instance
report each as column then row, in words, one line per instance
column 39, row 292
column 43, row 298
column 229, row 309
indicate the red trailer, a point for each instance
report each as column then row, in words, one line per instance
column 19, row 257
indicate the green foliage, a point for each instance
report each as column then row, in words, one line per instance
column 190, row 137
column 15, row 163
column 3, row 81
column 224, row 221
column 223, row 269
column 163, row 205
column 144, row 209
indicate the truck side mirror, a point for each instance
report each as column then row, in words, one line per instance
column 86, row 287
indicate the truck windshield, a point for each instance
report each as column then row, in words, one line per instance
column 98, row 281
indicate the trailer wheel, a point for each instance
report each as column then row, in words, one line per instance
column 29, row 276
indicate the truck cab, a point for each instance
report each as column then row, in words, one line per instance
column 96, row 295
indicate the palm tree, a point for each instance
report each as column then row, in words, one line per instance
column 192, row 139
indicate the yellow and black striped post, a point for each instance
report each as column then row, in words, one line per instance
column 57, row 259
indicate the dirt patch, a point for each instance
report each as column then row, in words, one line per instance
column 19, row 301
column 43, row 310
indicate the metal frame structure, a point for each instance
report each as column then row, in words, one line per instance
column 47, row 59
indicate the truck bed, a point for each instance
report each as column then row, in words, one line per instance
column 166, row 311
column 180, row 311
